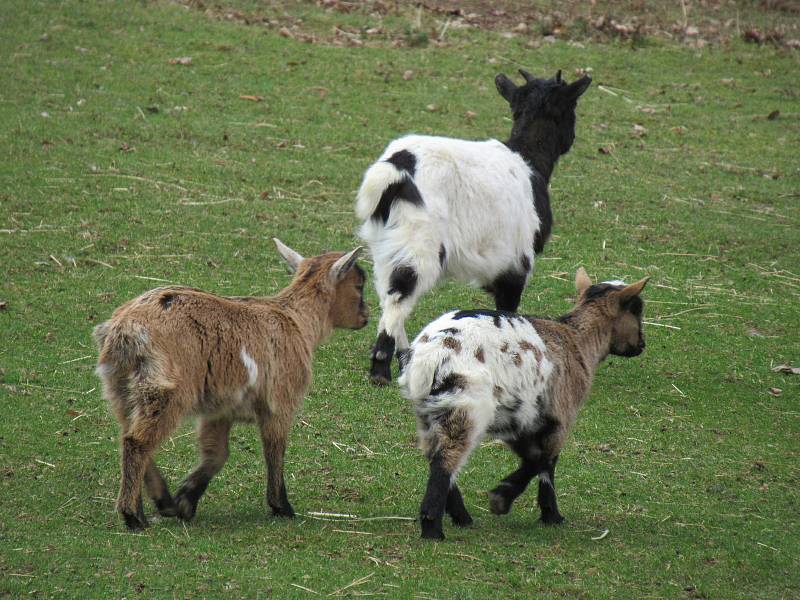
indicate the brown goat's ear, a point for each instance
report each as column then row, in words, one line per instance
column 632, row 290
column 505, row 86
column 582, row 281
column 292, row 258
column 344, row 264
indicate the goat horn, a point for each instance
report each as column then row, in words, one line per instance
column 528, row 77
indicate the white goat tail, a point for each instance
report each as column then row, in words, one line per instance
column 417, row 377
column 378, row 177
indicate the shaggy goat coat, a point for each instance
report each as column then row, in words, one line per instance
column 177, row 351
column 522, row 380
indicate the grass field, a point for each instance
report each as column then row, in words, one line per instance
column 122, row 170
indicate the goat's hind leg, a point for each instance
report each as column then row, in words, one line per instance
column 157, row 489
column 147, row 428
column 406, row 283
column 507, row 287
column 449, row 445
column 455, row 507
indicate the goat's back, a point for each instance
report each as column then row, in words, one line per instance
column 214, row 348
column 485, row 360
column 477, row 202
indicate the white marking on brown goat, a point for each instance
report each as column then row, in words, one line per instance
column 175, row 351
column 251, row 366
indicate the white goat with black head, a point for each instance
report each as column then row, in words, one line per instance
column 519, row 379
column 476, row 211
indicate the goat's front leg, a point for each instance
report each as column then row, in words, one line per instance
column 274, row 433
column 547, row 494
column 502, row 497
column 212, row 439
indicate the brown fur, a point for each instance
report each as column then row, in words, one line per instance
column 452, row 343
column 175, row 351
column 453, row 434
column 479, row 355
column 578, row 342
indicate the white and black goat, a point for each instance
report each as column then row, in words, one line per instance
column 476, row 211
column 476, row 373
column 178, row 351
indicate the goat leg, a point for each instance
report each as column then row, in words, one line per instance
column 435, row 500
column 456, row 509
column 547, row 495
column 502, row 497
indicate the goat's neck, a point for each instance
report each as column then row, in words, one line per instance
column 592, row 336
column 537, row 149
column 311, row 310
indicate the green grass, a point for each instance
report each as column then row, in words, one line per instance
column 682, row 454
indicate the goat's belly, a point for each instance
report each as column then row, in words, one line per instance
column 236, row 405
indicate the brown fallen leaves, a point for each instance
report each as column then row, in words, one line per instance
column 181, row 60
column 786, row 369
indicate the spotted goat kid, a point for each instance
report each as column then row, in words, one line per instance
column 522, row 380
column 175, row 351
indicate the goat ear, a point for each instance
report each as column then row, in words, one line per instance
column 344, row 264
column 558, row 77
column 574, row 90
column 505, row 86
column 292, row 258
column 582, row 281
column 634, row 289
column 527, row 76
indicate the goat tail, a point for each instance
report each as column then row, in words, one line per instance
column 420, row 370
column 122, row 345
column 378, row 177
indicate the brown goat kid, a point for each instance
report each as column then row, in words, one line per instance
column 176, row 351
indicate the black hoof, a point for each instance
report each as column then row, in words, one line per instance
column 551, row 519
column 431, row 530
column 166, row 507
column 379, row 380
column 185, row 507
column 287, row 512
column 135, row 522
column 462, row 519
column 380, row 373
column 499, row 504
